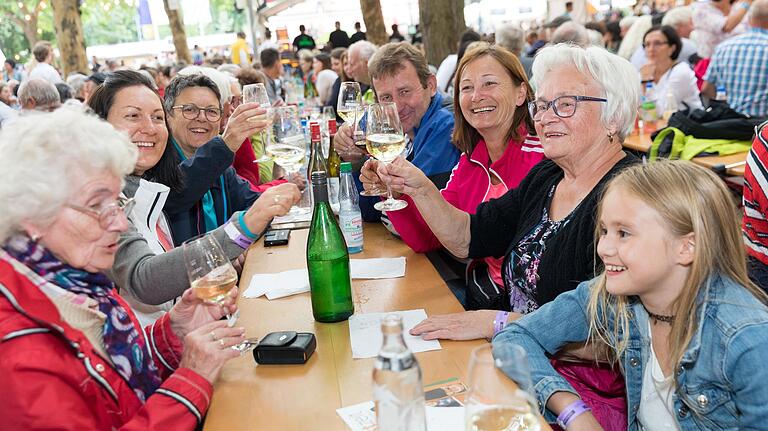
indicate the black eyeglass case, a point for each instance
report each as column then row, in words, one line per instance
column 285, row 347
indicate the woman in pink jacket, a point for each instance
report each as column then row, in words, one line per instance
column 492, row 132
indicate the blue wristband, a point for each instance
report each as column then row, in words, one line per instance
column 244, row 227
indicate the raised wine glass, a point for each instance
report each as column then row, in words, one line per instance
column 257, row 93
column 385, row 140
column 211, row 275
column 287, row 147
column 350, row 97
column 499, row 395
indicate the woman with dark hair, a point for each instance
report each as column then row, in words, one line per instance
column 324, row 76
column 672, row 78
column 148, row 270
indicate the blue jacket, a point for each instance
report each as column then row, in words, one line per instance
column 433, row 152
column 186, row 218
column 721, row 382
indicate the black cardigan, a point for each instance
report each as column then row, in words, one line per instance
column 569, row 257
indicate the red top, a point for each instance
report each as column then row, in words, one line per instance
column 754, row 224
column 246, row 167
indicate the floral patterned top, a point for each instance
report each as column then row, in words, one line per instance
column 522, row 264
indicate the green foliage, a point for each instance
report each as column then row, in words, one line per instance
column 104, row 26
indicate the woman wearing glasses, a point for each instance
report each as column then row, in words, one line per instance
column 73, row 353
column 544, row 228
column 673, row 79
column 148, row 270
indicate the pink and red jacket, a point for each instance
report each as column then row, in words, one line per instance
column 468, row 186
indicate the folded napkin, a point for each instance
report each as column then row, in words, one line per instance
column 281, row 284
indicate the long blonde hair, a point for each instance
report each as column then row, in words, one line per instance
column 691, row 199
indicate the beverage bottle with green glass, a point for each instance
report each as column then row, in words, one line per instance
column 327, row 259
column 317, row 162
column 334, row 163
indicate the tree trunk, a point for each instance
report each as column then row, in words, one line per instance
column 176, row 22
column 441, row 25
column 69, row 34
column 375, row 31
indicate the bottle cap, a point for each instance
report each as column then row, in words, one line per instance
column 332, row 126
column 649, row 85
column 319, row 178
column 392, row 324
column 345, row 167
column 314, row 131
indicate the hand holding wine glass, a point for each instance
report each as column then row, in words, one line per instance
column 385, row 141
column 287, row 147
column 350, row 97
column 257, row 93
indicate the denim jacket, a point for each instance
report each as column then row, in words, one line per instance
column 722, row 380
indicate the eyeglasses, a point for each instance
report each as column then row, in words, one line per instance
column 654, row 44
column 107, row 215
column 563, row 106
column 191, row 112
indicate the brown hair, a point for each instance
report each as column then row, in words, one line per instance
column 465, row 137
column 388, row 60
column 249, row 75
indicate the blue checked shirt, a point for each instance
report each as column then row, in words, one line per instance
column 741, row 65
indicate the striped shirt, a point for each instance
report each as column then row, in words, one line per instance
column 754, row 224
column 741, row 65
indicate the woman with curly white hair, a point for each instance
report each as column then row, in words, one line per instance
column 73, row 354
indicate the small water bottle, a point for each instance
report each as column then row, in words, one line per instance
column 720, row 94
column 397, row 389
column 350, row 219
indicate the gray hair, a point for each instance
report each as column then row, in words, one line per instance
column 219, row 78
column 43, row 157
column 363, row 48
column 305, row 55
column 181, row 82
column 595, row 38
column 634, row 37
column 677, row 16
column 77, row 82
column 510, row 36
column 229, row 68
column 571, row 32
column 39, row 90
column 613, row 74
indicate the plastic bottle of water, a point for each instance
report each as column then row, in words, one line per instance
column 720, row 94
column 648, row 108
column 350, row 219
column 397, row 389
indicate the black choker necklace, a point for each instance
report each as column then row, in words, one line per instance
column 659, row 317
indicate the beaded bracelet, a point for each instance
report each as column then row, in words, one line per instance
column 499, row 322
column 571, row 412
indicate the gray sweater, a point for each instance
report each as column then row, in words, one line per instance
column 156, row 278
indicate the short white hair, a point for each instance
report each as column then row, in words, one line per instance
column 616, row 76
column 571, row 32
column 677, row 16
column 634, row 37
column 229, row 68
column 363, row 48
column 595, row 38
column 219, row 78
column 77, row 82
column 511, row 37
column 44, row 154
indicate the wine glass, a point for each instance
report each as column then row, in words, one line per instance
column 385, row 140
column 287, row 147
column 358, row 121
column 350, row 97
column 499, row 395
column 257, row 93
column 211, row 275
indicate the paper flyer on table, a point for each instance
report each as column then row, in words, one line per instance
column 365, row 333
column 362, row 417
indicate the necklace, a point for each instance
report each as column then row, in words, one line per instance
column 659, row 317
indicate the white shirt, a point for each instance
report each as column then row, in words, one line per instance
column 324, row 84
column 6, row 114
column 639, row 59
column 656, row 406
column 680, row 81
column 445, row 72
column 47, row 72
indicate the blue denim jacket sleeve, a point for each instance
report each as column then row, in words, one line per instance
column 544, row 332
column 745, row 356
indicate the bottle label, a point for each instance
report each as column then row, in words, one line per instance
column 352, row 227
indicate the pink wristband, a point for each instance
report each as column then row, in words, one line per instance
column 500, row 321
column 571, row 412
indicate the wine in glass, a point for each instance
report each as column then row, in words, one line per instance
column 257, row 93
column 287, row 147
column 499, row 396
column 350, row 97
column 385, row 140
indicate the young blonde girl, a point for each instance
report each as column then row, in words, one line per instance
column 673, row 304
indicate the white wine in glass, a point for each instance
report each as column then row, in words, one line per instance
column 385, row 146
column 215, row 286
column 385, row 141
column 287, row 147
column 210, row 273
column 350, row 97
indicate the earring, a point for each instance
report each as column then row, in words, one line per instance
column 610, row 138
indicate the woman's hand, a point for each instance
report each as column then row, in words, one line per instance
column 344, row 145
column 208, row 347
column 275, row 201
column 248, row 119
column 404, row 177
column 370, row 178
column 192, row 312
column 647, row 72
column 467, row 325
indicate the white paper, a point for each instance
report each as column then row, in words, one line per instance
column 365, row 333
column 362, row 417
column 292, row 218
column 393, row 267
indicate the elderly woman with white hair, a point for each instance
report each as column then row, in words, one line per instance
column 73, row 352
column 544, row 228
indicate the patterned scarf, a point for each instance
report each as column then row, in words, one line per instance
column 123, row 342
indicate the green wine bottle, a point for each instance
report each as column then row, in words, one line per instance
column 327, row 259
